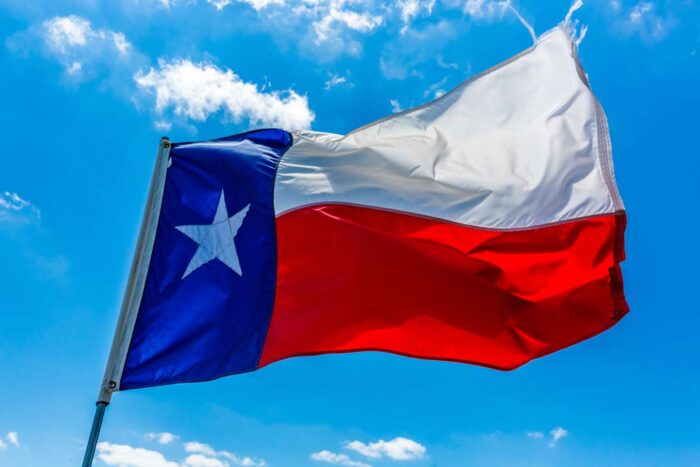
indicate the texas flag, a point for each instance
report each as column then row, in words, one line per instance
column 484, row 227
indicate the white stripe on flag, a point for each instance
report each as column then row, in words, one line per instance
column 518, row 146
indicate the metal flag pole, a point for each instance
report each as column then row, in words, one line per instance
column 94, row 433
column 132, row 297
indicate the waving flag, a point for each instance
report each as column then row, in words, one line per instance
column 484, row 227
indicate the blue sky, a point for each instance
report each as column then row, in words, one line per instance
column 88, row 86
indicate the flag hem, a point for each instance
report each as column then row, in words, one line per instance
column 137, row 276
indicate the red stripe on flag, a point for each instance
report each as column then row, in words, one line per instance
column 353, row 278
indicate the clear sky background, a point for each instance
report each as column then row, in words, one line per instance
column 87, row 87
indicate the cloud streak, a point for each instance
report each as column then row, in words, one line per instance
column 198, row 455
column 81, row 49
column 123, row 455
column 16, row 210
column 400, row 449
column 557, row 434
column 162, row 438
column 177, row 90
column 337, row 459
column 188, row 90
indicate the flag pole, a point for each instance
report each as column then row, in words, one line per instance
column 94, row 433
column 132, row 297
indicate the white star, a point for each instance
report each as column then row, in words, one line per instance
column 215, row 240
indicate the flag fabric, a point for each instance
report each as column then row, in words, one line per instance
column 484, row 227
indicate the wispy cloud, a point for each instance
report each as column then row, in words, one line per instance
column 336, row 79
column 395, row 105
column 323, row 29
column 400, row 57
column 486, row 10
column 198, row 455
column 16, row 210
column 63, row 34
column 257, row 5
column 187, row 90
column 410, row 9
column 12, row 437
column 201, row 449
column 557, row 434
column 162, row 438
column 337, row 459
column 21, row 219
column 401, row 449
column 179, row 90
column 199, row 460
column 436, row 90
column 334, row 15
column 123, row 455
column 82, row 50
column 397, row 449
column 642, row 19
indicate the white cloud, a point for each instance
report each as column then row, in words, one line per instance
column 447, row 65
column 120, row 42
column 162, row 438
column 337, row 459
column 123, row 455
column 397, row 449
column 400, row 57
column 74, row 69
column 436, row 89
column 162, row 125
column 206, row 456
column 410, row 9
column 326, row 29
column 13, row 438
column 65, row 34
column 486, row 10
column 18, row 213
column 646, row 22
column 395, row 105
column 643, row 20
column 335, row 79
column 255, row 4
column 81, row 49
column 194, row 91
column 334, row 24
column 200, row 455
column 16, row 210
column 244, row 461
column 334, row 14
column 158, row 3
column 639, row 11
column 201, row 448
column 557, row 434
column 199, row 460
